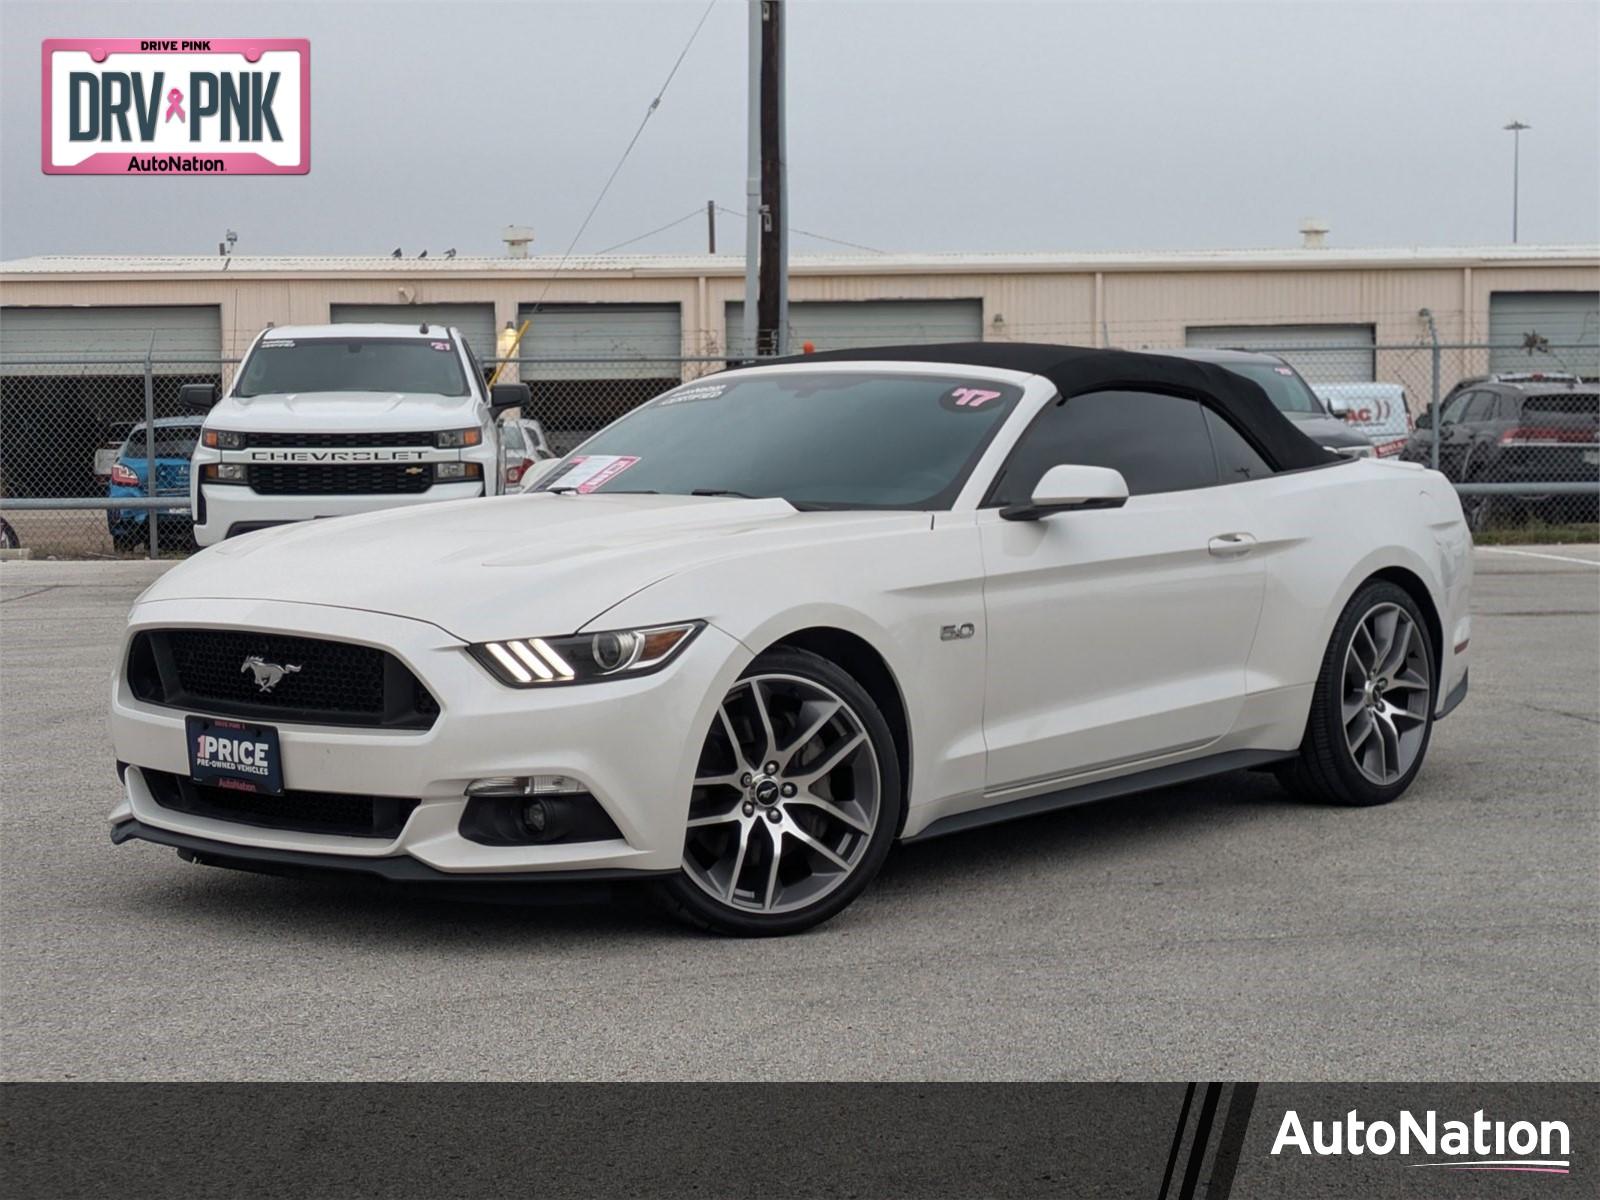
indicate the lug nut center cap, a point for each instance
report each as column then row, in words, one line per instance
column 765, row 792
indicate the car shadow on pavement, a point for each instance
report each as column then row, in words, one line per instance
column 1073, row 840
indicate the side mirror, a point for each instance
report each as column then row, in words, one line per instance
column 1339, row 406
column 1424, row 420
column 198, row 397
column 504, row 396
column 1070, row 489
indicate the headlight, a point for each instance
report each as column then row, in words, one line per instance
column 223, row 439
column 457, row 470
column 584, row 657
column 225, row 473
column 457, row 439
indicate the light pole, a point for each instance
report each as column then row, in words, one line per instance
column 1516, row 128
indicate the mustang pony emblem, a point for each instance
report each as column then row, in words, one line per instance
column 267, row 675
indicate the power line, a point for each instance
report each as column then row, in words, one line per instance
column 698, row 212
column 627, row 150
column 821, row 237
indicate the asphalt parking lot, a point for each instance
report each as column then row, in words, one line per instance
column 1218, row 930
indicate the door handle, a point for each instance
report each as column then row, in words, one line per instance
column 1231, row 545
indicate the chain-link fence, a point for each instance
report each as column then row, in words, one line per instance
column 94, row 456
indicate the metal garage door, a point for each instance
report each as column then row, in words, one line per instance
column 1568, row 323
column 1336, row 353
column 614, row 333
column 845, row 324
column 110, row 335
column 476, row 321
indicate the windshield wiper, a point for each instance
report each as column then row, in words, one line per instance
column 570, row 490
column 725, row 492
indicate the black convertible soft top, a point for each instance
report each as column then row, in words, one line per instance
column 1076, row 370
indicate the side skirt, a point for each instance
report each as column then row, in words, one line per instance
column 1102, row 789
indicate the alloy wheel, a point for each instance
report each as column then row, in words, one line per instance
column 786, row 796
column 1387, row 688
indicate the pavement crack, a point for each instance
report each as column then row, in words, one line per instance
column 25, row 595
column 1559, row 712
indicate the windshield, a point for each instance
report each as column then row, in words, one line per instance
column 1283, row 387
column 817, row 439
column 176, row 442
column 353, row 365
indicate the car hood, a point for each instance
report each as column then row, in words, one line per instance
column 342, row 412
column 1327, row 431
column 512, row 566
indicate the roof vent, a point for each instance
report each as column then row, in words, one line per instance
column 1313, row 234
column 516, row 238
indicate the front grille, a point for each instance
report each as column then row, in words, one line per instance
column 336, row 683
column 325, row 441
column 306, row 812
column 340, row 479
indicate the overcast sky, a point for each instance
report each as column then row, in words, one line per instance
column 912, row 126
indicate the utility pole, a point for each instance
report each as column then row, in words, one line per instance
column 711, row 226
column 766, row 309
column 1515, row 128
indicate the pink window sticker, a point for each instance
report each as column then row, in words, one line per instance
column 588, row 472
column 440, row 345
column 966, row 397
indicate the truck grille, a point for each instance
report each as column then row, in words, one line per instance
column 337, row 683
column 335, row 813
column 340, row 479
column 325, row 441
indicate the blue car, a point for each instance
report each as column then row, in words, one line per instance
column 175, row 438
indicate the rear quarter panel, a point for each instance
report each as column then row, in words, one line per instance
column 1322, row 534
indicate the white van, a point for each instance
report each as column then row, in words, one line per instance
column 327, row 420
column 1378, row 410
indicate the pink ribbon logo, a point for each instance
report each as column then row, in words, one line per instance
column 175, row 105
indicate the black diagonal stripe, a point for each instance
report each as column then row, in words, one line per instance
column 1202, row 1138
column 1177, row 1141
column 1231, row 1144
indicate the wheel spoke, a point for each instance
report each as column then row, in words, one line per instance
column 733, row 738
column 1360, row 739
column 1397, row 715
column 772, row 872
column 1363, row 634
column 860, row 824
column 1401, row 646
column 1405, row 683
column 829, row 711
column 721, row 818
column 738, row 862
column 839, row 753
column 766, row 721
column 801, row 835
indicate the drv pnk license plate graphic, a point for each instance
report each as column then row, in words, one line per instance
column 231, row 754
column 171, row 106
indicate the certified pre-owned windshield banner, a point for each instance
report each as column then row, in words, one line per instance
column 176, row 106
column 1153, row 1141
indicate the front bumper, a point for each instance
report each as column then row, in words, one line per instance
column 632, row 743
column 224, row 506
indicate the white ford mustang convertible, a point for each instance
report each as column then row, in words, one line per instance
column 746, row 637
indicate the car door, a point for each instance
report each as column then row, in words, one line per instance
column 1456, row 425
column 1114, row 635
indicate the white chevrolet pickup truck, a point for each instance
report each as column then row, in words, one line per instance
column 328, row 420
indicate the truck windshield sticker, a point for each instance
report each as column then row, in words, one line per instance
column 590, row 471
column 278, row 345
column 440, row 345
column 709, row 391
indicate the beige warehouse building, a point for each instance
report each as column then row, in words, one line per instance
column 663, row 307
column 606, row 332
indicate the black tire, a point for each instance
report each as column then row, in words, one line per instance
column 8, row 536
column 691, row 902
column 1325, row 769
column 127, row 543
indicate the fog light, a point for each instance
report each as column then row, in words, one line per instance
column 526, row 810
column 225, row 473
column 536, row 817
column 457, row 470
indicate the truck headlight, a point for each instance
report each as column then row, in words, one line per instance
column 457, row 471
column 457, row 439
column 584, row 657
column 223, row 439
column 225, row 473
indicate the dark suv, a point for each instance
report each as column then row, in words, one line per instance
column 1508, row 430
